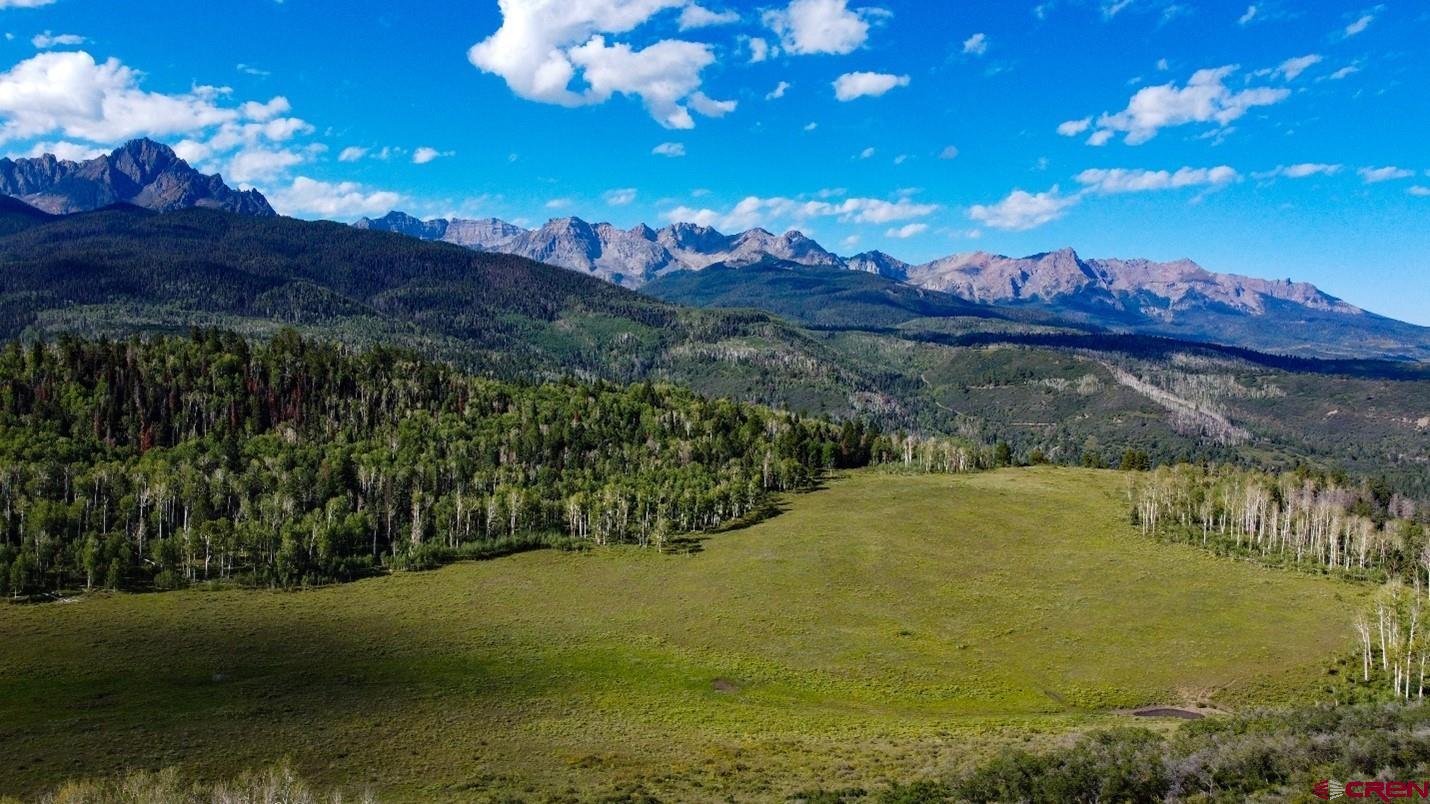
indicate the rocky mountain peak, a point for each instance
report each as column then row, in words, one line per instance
column 140, row 172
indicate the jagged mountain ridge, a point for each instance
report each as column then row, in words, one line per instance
column 141, row 172
column 628, row 257
column 1178, row 298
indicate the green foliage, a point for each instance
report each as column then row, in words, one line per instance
column 156, row 464
column 892, row 625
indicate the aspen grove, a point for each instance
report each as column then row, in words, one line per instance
column 167, row 462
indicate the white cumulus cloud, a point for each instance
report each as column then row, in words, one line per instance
column 907, row 230
column 754, row 211
column 425, row 154
column 1205, row 99
column 346, row 199
column 976, row 45
column 542, row 45
column 259, row 164
column 670, row 149
column 71, row 94
column 779, row 91
column 1023, row 210
column 821, row 26
column 849, row 86
column 698, row 16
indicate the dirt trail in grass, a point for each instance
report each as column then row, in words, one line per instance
column 879, row 627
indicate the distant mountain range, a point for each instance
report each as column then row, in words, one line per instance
column 628, row 257
column 142, row 172
column 1179, row 298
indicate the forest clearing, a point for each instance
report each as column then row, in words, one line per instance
column 889, row 626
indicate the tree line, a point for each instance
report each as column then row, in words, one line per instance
column 1302, row 517
column 159, row 463
column 1321, row 522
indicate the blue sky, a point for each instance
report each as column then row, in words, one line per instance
column 1269, row 138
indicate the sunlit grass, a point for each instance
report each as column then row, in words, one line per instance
column 889, row 626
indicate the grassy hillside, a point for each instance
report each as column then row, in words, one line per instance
column 888, row 626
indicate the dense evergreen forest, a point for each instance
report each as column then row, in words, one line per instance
column 159, row 463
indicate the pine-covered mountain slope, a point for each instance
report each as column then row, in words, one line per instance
column 1072, row 396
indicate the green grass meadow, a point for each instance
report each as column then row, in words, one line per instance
column 888, row 626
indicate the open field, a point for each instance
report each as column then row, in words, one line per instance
column 888, row 626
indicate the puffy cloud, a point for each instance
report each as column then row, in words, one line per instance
column 620, row 197
column 867, row 152
column 257, row 164
column 266, row 111
column 757, row 211
column 849, row 86
column 1072, row 128
column 670, row 149
column 1119, row 180
column 821, row 26
column 1022, row 210
column 423, row 155
column 779, row 91
column 1344, row 72
column 1380, row 174
column 709, row 107
column 1248, row 16
column 1205, row 99
column 346, row 199
column 976, row 45
column 71, row 94
column 352, row 153
column 542, row 44
column 1420, row 192
column 47, row 40
column 759, row 50
column 698, row 16
column 24, row 3
column 72, row 151
column 907, row 230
